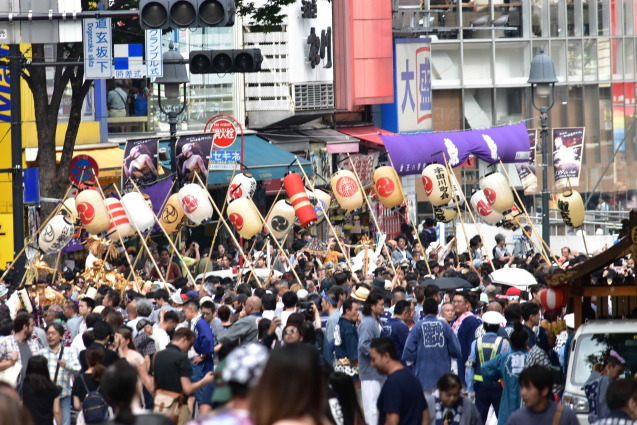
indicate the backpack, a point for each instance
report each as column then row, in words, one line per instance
column 94, row 407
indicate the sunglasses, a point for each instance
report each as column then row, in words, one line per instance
column 290, row 331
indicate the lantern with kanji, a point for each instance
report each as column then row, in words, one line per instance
column 552, row 298
column 437, row 184
column 511, row 221
column 139, row 213
column 321, row 201
column 91, row 209
column 243, row 185
column 281, row 218
column 69, row 210
column 457, row 197
column 120, row 226
column 346, row 190
column 172, row 216
column 571, row 207
column 195, row 203
column 482, row 207
column 444, row 215
column 497, row 192
column 55, row 235
column 297, row 196
column 245, row 218
column 388, row 187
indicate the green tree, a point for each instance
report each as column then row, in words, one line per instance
column 53, row 175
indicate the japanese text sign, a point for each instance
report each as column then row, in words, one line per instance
column 154, row 58
column 413, row 84
column 98, row 48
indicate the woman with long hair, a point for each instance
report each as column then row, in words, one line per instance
column 90, row 380
column 139, row 163
column 40, row 396
column 126, row 349
column 300, row 399
column 119, row 386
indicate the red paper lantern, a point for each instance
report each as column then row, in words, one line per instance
column 297, row 195
column 552, row 298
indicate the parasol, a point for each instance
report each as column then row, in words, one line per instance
column 316, row 247
column 445, row 283
column 519, row 278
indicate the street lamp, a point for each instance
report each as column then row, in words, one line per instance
column 174, row 75
column 542, row 78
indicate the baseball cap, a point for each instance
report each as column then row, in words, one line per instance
column 142, row 323
column 513, row 292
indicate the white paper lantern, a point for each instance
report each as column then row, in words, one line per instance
column 281, row 218
column 457, row 194
column 23, row 297
column 69, row 210
column 498, row 192
column 571, row 207
column 511, row 221
column 346, row 190
column 139, row 213
column 55, row 235
column 245, row 218
column 243, row 185
column 120, row 226
column 172, row 216
column 195, row 203
column 388, row 187
column 481, row 207
column 321, row 201
column 437, row 184
column 445, row 215
column 91, row 209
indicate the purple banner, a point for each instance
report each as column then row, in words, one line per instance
column 411, row 153
column 158, row 193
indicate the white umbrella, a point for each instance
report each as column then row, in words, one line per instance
column 519, row 278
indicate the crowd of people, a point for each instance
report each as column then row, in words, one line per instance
column 317, row 342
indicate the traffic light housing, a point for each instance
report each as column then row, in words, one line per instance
column 225, row 61
column 165, row 14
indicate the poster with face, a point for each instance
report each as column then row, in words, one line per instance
column 140, row 162
column 526, row 171
column 193, row 156
column 568, row 147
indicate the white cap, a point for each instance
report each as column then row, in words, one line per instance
column 570, row 320
column 493, row 318
column 176, row 297
column 302, row 294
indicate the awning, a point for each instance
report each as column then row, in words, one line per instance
column 109, row 160
column 368, row 133
column 291, row 141
column 335, row 141
column 265, row 161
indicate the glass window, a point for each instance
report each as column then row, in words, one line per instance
column 590, row 59
column 591, row 118
column 478, row 68
column 617, row 47
column 574, row 18
column 539, row 18
column 589, row 18
column 574, row 60
column 629, row 23
column 617, row 23
column 445, row 60
column 606, row 128
column 558, row 54
column 478, row 108
column 447, row 110
column 603, row 17
column 629, row 55
column 476, row 18
column 592, row 349
column 512, row 62
column 557, row 15
column 603, row 58
column 509, row 105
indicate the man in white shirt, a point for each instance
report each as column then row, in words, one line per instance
column 169, row 322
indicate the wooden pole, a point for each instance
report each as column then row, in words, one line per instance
column 457, row 202
column 227, row 226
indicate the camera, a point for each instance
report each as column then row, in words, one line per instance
column 304, row 305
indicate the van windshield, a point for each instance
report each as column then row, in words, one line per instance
column 593, row 348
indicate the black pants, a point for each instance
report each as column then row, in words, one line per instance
column 487, row 395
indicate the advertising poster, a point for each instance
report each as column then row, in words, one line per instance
column 140, row 162
column 526, row 171
column 568, row 148
column 193, row 156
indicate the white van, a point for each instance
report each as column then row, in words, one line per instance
column 592, row 342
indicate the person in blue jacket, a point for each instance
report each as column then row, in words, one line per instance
column 507, row 367
column 464, row 327
column 430, row 346
column 201, row 355
column 346, row 340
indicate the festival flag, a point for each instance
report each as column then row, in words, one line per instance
column 526, row 171
column 140, row 162
column 568, row 148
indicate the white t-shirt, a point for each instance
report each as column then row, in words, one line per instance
column 160, row 337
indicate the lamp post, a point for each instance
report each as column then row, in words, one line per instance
column 174, row 75
column 542, row 79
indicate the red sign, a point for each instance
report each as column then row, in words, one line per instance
column 225, row 133
column 83, row 169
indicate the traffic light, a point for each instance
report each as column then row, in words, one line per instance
column 225, row 61
column 165, row 14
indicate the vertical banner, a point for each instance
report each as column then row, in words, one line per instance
column 193, row 156
column 140, row 162
column 98, row 48
column 154, row 55
column 365, row 165
column 526, row 171
column 568, row 148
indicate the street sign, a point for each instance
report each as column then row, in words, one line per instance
column 83, row 169
column 154, row 56
column 225, row 133
column 98, row 48
column 128, row 61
